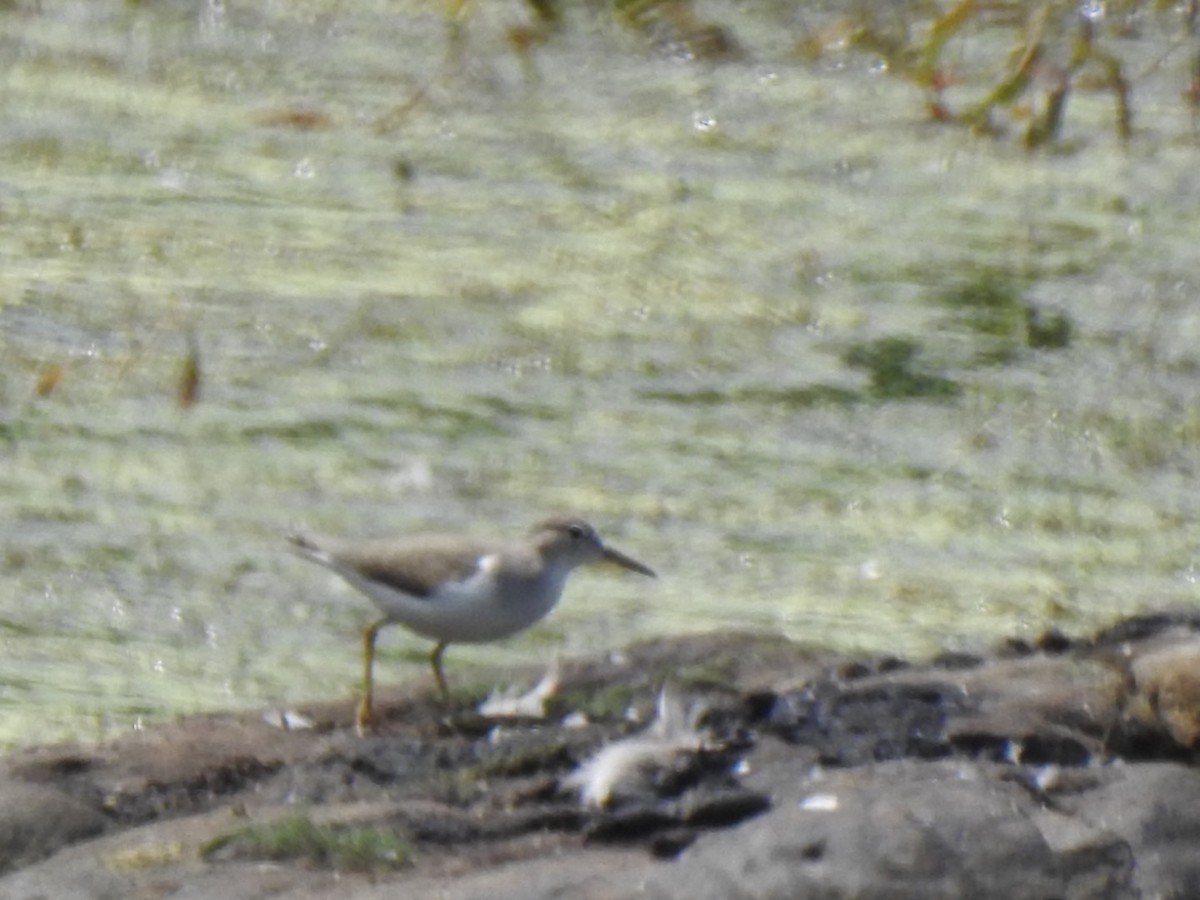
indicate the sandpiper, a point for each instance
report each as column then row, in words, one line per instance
column 455, row 589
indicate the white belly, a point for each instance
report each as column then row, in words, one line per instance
column 477, row 610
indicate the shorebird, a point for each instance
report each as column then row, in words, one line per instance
column 454, row 589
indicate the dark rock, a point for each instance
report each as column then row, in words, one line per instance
column 721, row 808
column 631, row 822
column 1154, row 808
column 868, row 722
column 36, row 820
column 1049, row 747
column 200, row 791
column 669, row 844
column 892, row 664
column 1014, row 646
column 895, row 832
column 1146, row 626
column 852, row 670
column 1054, row 641
column 759, row 706
column 957, row 661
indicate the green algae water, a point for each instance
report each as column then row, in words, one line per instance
column 833, row 370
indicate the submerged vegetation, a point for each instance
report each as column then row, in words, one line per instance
column 988, row 65
column 1056, row 48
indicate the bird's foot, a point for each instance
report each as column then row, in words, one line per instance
column 364, row 719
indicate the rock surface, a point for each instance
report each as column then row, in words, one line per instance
column 765, row 769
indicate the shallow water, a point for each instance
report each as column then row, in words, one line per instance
column 759, row 320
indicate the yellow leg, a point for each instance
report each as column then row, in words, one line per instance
column 436, row 661
column 363, row 719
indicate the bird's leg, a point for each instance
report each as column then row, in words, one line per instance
column 436, row 661
column 363, row 719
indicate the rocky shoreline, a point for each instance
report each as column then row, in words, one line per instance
column 720, row 766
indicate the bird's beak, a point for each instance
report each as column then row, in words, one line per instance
column 608, row 554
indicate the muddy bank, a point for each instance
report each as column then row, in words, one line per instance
column 764, row 769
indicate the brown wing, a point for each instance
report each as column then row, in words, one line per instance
column 416, row 567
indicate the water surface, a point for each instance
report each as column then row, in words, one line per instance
column 759, row 320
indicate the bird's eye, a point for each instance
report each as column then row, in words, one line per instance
column 575, row 531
